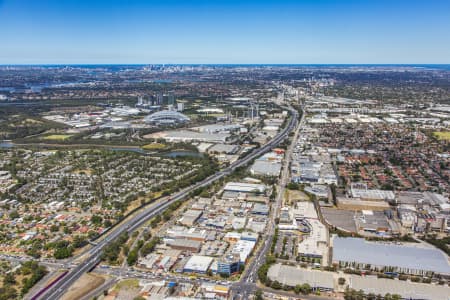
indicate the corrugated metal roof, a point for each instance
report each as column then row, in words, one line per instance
column 370, row 284
column 292, row 276
column 384, row 254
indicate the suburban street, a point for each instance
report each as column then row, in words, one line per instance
column 247, row 284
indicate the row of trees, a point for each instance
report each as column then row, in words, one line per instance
column 351, row 294
column 112, row 251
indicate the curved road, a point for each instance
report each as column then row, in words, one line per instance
column 94, row 254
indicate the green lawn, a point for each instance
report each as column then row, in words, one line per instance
column 154, row 146
column 57, row 137
column 443, row 135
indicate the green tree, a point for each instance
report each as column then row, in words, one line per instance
column 276, row 285
column 132, row 257
column 13, row 214
column 61, row 253
column 259, row 294
column 9, row 279
column 107, row 223
column 96, row 220
column 305, row 289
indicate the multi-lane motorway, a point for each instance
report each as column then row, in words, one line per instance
column 92, row 258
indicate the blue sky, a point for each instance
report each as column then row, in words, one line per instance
column 217, row 31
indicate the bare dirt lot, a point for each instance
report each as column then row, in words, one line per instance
column 292, row 196
column 82, row 286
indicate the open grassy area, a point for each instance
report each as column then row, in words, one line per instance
column 154, row 146
column 57, row 137
column 292, row 196
column 443, row 135
column 127, row 283
column 83, row 171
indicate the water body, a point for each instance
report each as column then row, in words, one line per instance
column 130, row 149
column 163, row 81
column 182, row 153
column 6, row 144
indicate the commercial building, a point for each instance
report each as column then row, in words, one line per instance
column 374, row 222
column 243, row 249
column 184, row 245
column 180, row 232
column 229, row 264
column 249, row 236
column 198, row 264
column 408, row 259
column 319, row 190
column 190, row 136
column 190, row 217
column 407, row 290
column 359, row 190
column 245, row 187
column 292, row 276
column 266, row 168
column 223, row 148
column 359, row 204
column 260, row 209
column 209, row 110
column 315, row 245
column 218, row 128
column 239, row 100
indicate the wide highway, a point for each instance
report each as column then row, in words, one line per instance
column 93, row 257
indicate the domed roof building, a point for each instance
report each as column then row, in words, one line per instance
column 166, row 117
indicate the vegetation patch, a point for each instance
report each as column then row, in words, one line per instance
column 154, row 146
column 57, row 137
column 17, row 283
column 127, row 283
column 442, row 135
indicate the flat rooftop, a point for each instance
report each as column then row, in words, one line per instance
column 245, row 187
column 292, row 276
column 407, row 290
column 388, row 254
column 343, row 219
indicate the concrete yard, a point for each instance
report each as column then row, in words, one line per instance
column 342, row 219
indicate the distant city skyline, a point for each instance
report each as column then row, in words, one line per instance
column 224, row 32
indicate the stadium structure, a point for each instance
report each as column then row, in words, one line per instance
column 165, row 117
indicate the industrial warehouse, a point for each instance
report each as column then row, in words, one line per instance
column 408, row 259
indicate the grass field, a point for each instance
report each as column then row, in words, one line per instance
column 443, row 135
column 154, row 146
column 127, row 283
column 57, row 137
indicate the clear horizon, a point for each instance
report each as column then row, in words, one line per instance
column 227, row 64
column 51, row 32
